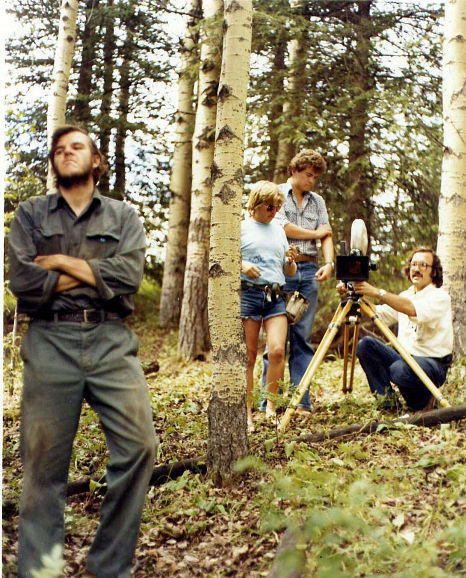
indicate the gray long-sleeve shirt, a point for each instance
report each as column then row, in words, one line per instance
column 107, row 234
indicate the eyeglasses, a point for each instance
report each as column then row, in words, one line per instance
column 421, row 265
column 270, row 208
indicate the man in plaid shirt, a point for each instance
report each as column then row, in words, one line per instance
column 305, row 220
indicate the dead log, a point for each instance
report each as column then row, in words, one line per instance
column 427, row 419
column 159, row 476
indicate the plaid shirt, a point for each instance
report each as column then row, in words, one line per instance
column 311, row 215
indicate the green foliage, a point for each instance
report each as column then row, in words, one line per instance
column 387, row 504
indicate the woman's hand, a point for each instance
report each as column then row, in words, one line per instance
column 250, row 270
column 291, row 254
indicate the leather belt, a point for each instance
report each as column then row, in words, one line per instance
column 306, row 258
column 249, row 285
column 80, row 316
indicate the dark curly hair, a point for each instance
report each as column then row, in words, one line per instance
column 307, row 157
column 437, row 269
column 100, row 170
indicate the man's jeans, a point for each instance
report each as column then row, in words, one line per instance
column 65, row 363
column 299, row 335
column 384, row 366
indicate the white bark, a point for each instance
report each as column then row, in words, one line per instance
column 227, row 407
column 452, row 207
column 64, row 53
column 194, row 340
column 180, row 182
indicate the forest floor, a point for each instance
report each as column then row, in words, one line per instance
column 391, row 503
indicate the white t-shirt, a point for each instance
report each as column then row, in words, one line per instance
column 430, row 332
column 265, row 245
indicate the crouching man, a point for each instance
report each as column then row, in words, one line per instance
column 423, row 314
column 76, row 258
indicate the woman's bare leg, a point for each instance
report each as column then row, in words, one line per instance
column 251, row 332
column 275, row 328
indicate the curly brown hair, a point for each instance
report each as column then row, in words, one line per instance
column 437, row 269
column 100, row 170
column 305, row 158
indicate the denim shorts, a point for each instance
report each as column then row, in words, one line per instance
column 254, row 305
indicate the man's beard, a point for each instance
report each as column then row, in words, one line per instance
column 68, row 182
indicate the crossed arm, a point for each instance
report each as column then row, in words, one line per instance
column 73, row 271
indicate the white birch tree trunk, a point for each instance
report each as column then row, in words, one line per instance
column 194, row 339
column 452, row 206
column 180, row 181
column 64, row 53
column 227, row 407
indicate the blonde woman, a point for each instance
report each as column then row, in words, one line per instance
column 266, row 259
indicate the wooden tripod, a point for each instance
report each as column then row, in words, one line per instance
column 349, row 311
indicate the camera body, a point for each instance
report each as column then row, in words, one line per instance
column 352, row 268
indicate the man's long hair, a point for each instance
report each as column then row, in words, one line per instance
column 437, row 269
column 100, row 170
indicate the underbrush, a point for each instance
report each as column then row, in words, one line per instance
column 387, row 504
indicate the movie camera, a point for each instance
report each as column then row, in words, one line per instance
column 355, row 266
column 351, row 268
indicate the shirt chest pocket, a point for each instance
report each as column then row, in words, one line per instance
column 100, row 245
column 48, row 239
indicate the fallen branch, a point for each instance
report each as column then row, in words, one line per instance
column 159, row 476
column 428, row 419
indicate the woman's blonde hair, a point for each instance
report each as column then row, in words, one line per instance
column 264, row 192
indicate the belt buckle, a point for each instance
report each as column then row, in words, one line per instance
column 85, row 314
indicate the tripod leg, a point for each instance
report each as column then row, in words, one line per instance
column 332, row 330
column 404, row 354
column 353, row 353
column 345, row 354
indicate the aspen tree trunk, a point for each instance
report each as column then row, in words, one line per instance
column 180, row 180
column 105, row 122
column 82, row 111
column 64, row 53
column 297, row 51
column 227, row 407
column 194, row 339
column 119, row 190
column 452, row 207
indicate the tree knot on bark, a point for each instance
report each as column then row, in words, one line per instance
column 216, row 271
column 215, row 172
column 224, row 92
column 226, row 194
column 226, row 134
column 233, row 6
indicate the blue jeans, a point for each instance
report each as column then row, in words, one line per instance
column 254, row 305
column 65, row 363
column 384, row 366
column 299, row 335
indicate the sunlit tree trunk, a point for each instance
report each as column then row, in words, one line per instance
column 292, row 107
column 105, row 123
column 194, row 340
column 227, row 407
column 61, row 73
column 452, row 207
column 180, row 180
